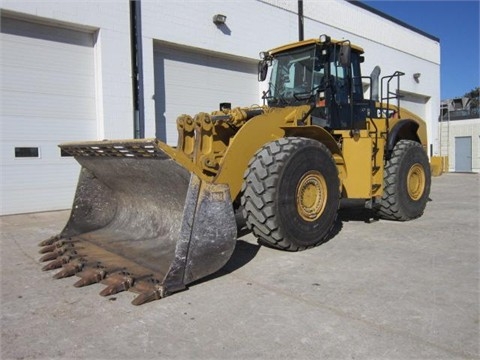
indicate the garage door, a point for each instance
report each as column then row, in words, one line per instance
column 416, row 103
column 47, row 97
column 189, row 82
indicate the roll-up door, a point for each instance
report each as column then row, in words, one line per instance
column 189, row 81
column 47, row 97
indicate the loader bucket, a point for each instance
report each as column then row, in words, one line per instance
column 141, row 222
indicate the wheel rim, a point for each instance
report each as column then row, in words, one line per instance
column 416, row 181
column 311, row 196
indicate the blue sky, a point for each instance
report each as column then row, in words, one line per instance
column 456, row 24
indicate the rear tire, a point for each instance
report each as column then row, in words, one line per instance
column 407, row 182
column 290, row 194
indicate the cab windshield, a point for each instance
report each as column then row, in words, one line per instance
column 295, row 76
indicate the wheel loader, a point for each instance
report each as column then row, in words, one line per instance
column 152, row 218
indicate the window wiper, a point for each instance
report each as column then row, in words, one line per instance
column 302, row 96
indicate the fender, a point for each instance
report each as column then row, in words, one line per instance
column 260, row 130
column 403, row 129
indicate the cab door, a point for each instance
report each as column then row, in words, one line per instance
column 348, row 107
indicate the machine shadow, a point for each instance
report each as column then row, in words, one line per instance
column 245, row 252
column 354, row 210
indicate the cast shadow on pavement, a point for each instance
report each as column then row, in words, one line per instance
column 246, row 251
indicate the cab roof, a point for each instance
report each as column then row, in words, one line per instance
column 298, row 44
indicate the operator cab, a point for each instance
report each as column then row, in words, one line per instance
column 322, row 72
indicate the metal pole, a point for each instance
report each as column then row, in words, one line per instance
column 137, row 69
column 300, row 20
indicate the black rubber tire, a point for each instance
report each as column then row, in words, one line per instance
column 397, row 203
column 269, row 193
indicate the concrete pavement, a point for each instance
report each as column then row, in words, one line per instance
column 380, row 290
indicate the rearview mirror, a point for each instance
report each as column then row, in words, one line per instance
column 344, row 55
column 262, row 70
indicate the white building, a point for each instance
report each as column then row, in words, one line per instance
column 66, row 73
column 459, row 130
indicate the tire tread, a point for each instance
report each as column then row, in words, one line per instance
column 259, row 189
column 390, row 207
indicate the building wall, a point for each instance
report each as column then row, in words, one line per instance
column 449, row 130
column 252, row 26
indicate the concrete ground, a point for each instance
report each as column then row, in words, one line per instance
column 380, row 290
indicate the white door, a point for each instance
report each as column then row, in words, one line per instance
column 47, row 97
column 463, row 154
column 189, row 82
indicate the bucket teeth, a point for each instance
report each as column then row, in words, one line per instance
column 55, row 253
column 91, row 277
column 49, row 241
column 58, row 263
column 69, row 269
column 118, row 284
column 48, row 257
column 47, row 249
column 147, row 296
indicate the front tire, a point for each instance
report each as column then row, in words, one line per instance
column 407, row 182
column 290, row 194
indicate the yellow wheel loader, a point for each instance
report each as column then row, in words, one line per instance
column 151, row 218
